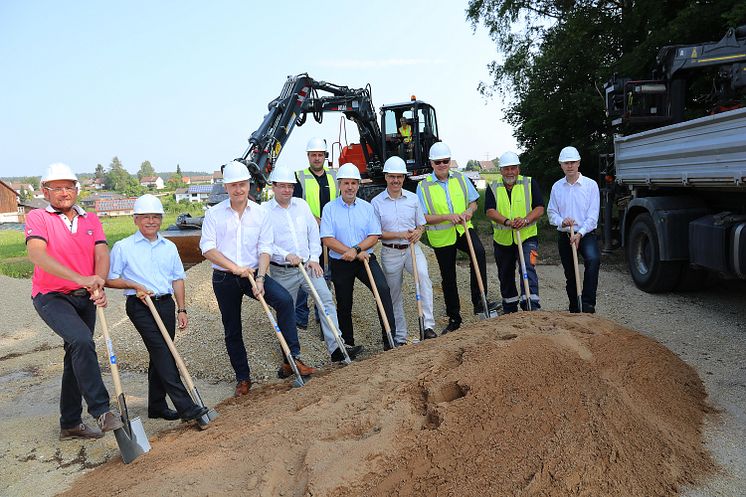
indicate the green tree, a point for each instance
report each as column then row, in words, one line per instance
column 118, row 178
column 100, row 172
column 557, row 55
column 472, row 165
column 177, row 179
column 146, row 169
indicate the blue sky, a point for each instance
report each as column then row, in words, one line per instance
column 187, row 82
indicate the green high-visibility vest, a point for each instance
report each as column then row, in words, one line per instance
column 518, row 205
column 310, row 188
column 436, row 202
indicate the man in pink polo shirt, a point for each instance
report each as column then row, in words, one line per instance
column 71, row 260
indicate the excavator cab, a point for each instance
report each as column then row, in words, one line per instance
column 409, row 129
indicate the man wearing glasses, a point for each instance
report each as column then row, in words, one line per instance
column 448, row 200
column 71, row 261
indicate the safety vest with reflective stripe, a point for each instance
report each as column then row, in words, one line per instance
column 310, row 188
column 406, row 132
column 444, row 234
column 518, row 205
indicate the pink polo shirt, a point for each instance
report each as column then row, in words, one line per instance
column 72, row 249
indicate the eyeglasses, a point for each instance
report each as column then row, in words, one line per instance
column 66, row 189
column 441, row 161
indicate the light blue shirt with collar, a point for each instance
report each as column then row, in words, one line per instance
column 155, row 265
column 349, row 224
column 472, row 192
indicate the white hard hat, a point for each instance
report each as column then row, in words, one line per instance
column 569, row 154
column 348, row 171
column 509, row 159
column 282, row 174
column 395, row 165
column 234, row 171
column 316, row 145
column 148, row 204
column 58, row 171
column 440, row 150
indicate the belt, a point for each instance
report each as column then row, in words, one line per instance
column 395, row 246
column 80, row 292
column 153, row 297
column 286, row 266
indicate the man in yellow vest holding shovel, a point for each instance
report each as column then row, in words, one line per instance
column 514, row 204
column 448, row 200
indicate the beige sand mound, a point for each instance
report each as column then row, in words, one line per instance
column 531, row 404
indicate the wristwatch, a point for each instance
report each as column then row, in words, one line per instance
column 259, row 277
column 506, row 221
column 357, row 248
column 181, row 310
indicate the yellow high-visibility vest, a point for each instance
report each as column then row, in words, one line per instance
column 406, row 132
column 310, row 188
column 436, row 202
column 518, row 205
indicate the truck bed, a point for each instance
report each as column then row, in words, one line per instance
column 709, row 152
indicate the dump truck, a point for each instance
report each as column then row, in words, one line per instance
column 674, row 189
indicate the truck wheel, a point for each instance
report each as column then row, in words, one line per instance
column 649, row 273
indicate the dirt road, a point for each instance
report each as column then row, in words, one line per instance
column 706, row 330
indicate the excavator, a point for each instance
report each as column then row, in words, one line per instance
column 302, row 95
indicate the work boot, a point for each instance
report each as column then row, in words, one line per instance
column 492, row 306
column 573, row 308
column 82, row 431
column 429, row 333
column 242, row 388
column 167, row 414
column 286, row 371
column 589, row 309
column 453, row 325
column 195, row 412
column 110, row 420
column 352, row 351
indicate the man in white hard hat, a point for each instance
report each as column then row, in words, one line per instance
column 296, row 241
column 350, row 229
column 237, row 238
column 514, row 204
column 575, row 201
column 317, row 186
column 143, row 264
column 402, row 225
column 71, row 260
column 448, row 199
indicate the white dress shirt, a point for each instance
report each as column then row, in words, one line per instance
column 295, row 231
column 240, row 239
column 398, row 214
column 580, row 201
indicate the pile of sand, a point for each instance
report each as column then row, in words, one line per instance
column 530, row 404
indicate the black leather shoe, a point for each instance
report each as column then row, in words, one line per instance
column 429, row 333
column 589, row 309
column 195, row 412
column 452, row 326
column 492, row 306
column 352, row 351
column 166, row 413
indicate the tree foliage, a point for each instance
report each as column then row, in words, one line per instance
column 120, row 180
column 472, row 165
column 146, row 169
column 555, row 57
column 100, row 172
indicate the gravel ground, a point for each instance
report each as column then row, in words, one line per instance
column 705, row 329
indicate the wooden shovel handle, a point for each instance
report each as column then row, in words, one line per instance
column 379, row 303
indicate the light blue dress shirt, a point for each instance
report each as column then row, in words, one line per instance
column 349, row 224
column 155, row 265
column 472, row 192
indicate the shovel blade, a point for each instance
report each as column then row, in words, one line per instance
column 132, row 444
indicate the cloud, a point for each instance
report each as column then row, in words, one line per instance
column 376, row 64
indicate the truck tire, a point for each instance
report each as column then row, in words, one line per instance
column 649, row 273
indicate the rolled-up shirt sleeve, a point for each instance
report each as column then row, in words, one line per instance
column 594, row 205
column 374, row 225
column 314, row 240
column 326, row 230
column 208, row 240
column 116, row 262
column 266, row 236
column 555, row 219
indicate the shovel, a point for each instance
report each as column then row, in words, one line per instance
column 524, row 273
column 380, row 304
column 418, row 297
column 283, row 344
column 211, row 414
column 329, row 320
column 475, row 265
column 131, row 438
column 577, row 270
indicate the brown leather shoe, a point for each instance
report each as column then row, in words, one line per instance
column 80, row 431
column 286, row 371
column 110, row 420
column 242, row 388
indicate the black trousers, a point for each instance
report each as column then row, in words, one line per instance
column 343, row 276
column 446, row 257
column 163, row 375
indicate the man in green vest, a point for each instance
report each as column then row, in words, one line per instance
column 448, row 199
column 405, row 132
column 316, row 185
column 514, row 204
